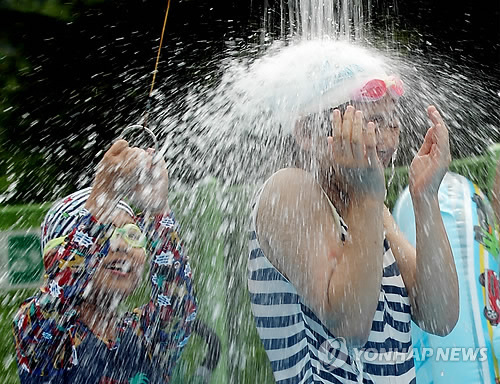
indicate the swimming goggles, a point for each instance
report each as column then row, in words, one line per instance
column 376, row 89
column 130, row 233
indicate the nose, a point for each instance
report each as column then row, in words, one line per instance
column 380, row 136
column 118, row 244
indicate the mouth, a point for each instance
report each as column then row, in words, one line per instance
column 119, row 267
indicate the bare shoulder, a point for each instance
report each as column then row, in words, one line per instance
column 287, row 193
column 299, row 234
column 290, row 200
column 289, row 188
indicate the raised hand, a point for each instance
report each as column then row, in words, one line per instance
column 354, row 155
column 151, row 192
column 128, row 172
column 432, row 160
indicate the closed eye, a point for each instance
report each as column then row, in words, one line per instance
column 377, row 119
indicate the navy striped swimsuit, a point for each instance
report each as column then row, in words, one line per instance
column 302, row 350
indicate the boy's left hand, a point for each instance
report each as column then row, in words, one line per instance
column 432, row 160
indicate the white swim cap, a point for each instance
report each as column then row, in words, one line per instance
column 315, row 75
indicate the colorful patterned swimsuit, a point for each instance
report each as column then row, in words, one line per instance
column 54, row 346
column 301, row 348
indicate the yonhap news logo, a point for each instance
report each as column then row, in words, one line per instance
column 334, row 353
column 451, row 354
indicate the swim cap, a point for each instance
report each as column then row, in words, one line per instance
column 337, row 73
column 313, row 76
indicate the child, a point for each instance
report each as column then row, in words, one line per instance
column 333, row 282
column 94, row 250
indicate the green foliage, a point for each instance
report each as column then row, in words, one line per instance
column 201, row 218
column 22, row 216
column 480, row 170
column 51, row 8
column 9, row 302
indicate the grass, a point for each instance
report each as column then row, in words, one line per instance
column 10, row 301
column 22, row 216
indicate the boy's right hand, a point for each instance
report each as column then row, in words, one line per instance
column 121, row 171
column 354, row 155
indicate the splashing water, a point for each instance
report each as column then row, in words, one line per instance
column 312, row 19
column 236, row 124
column 241, row 127
column 238, row 128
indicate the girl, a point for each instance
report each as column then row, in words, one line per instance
column 333, row 282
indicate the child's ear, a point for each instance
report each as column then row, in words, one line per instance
column 302, row 134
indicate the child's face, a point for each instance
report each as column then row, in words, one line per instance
column 387, row 129
column 382, row 113
column 121, row 270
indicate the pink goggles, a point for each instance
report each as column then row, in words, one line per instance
column 376, row 89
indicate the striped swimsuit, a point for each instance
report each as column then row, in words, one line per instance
column 302, row 350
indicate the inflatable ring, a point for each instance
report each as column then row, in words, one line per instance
column 470, row 353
